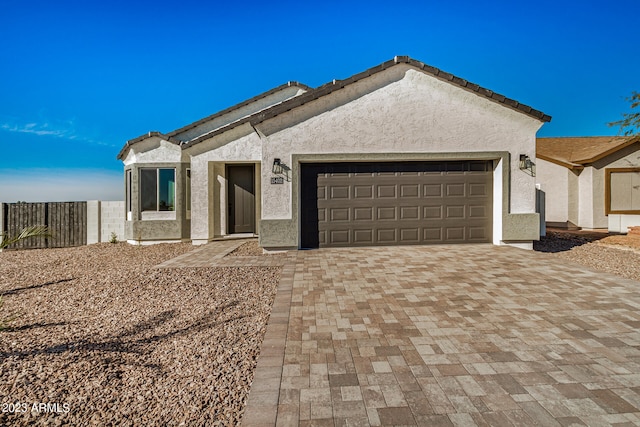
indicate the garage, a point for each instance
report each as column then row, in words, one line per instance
column 396, row 203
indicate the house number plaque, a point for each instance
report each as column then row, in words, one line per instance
column 277, row 180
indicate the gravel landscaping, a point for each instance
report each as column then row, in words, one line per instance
column 105, row 339
column 617, row 254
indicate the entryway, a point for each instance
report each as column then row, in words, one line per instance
column 241, row 199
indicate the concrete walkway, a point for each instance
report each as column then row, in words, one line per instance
column 447, row 335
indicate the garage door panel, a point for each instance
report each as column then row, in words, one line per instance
column 409, row 212
column 455, row 189
column 388, row 213
column 455, row 233
column 322, row 237
column 363, row 214
column 432, row 212
column 339, row 192
column 478, row 233
column 322, row 214
column 432, row 234
column 410, row 235
column 386, row 191
column 478, row 212
column 322, row 193
column 363, row 236
column 338, row 236
column 396, row 203
column 363, row 191
column 478, row 190
column 409, row 190
column 432, row 190
column 454, row 212
column 387, row 235
column 339, row 214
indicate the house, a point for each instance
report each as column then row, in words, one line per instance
column 590, row 182
column 402, row 153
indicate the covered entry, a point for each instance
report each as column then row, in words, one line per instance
column 241, row 193
column 396, row 203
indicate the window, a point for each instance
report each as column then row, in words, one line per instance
column 188, row 190
column 157, row 189
column 622, row 191
column 128, row 184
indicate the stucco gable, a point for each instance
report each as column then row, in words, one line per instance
column 149, row 135
column 334, row 85
column 155, row 148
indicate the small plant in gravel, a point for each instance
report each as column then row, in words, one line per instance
column 114, row 238
column 33, row 231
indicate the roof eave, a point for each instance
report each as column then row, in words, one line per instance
column 240, row 105
column 563, row 163
column 610, row 151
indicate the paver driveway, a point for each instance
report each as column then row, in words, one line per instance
column 448, row 335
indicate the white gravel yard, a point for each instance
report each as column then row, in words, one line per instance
column 106, row 339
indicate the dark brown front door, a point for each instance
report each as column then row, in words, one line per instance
column 370, row 204
column 242, row 213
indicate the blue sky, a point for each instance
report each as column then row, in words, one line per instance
column 78, row 79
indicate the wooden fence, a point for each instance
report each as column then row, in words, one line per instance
column 67, row 222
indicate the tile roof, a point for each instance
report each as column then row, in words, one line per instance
column 576, row 152
column 339, row 84
column 326, row 89
column 240, row 105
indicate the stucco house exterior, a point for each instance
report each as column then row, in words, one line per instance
column 590, row 182
column 402, row 153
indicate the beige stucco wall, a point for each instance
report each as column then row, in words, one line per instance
column 554, row 181
column 399, row 110
column 587, row 199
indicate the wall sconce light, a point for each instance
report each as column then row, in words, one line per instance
column 277, row 167
column 280, row 169
column 526, row 165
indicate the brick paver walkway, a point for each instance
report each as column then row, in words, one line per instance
column 447, row 335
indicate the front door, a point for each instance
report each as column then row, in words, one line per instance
column 242, row 213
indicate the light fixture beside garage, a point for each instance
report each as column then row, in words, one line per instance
column 280, row 169
column 277, row 167
column 527, row 165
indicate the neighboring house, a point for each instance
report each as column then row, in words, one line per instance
column 402, row 153
column 590, row 182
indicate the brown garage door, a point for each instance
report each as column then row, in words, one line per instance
column 365, row 204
